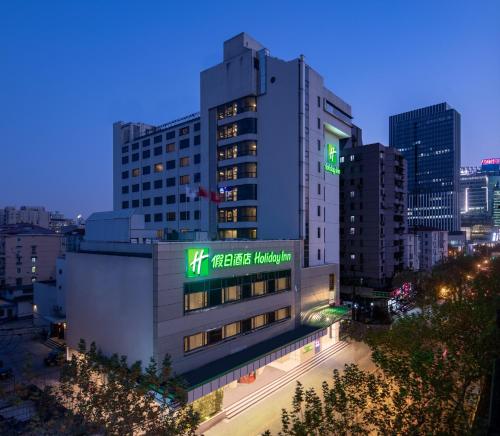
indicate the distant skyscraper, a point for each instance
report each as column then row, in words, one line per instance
column 429, row 139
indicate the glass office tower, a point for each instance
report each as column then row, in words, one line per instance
column 429, row 139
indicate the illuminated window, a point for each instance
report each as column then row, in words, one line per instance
column 258, row 321
column 352, row 219
column 352, row 231
column 283, row 283
column 136, row 172
column 195, row 300
column 194, row 341
column 282, row 313
column 33, row 269
column 184, row 180
column 184, row 161
column 232, row 293
column 169, row 148
column 232, row 329
column 259, row 288
column 158, row 167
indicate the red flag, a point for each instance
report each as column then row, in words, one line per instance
column 202, row 192
column 215, row 197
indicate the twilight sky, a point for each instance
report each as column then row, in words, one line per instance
column 69, row 69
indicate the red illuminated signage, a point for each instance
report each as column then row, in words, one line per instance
column 491, row 161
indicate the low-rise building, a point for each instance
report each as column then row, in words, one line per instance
column 36, row 215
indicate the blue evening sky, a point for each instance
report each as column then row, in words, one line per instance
column 69, row 69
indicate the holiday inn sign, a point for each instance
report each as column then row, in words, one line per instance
column 332, row 159
column 199, row 261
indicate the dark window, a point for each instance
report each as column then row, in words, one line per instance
column 184, row 143
column 319, row 254
column 214, row 336
column 135, row 188
column 171, row 134
column 124, row 160
column 169, row 148
column 146, row 170
column 319, row 232
column 183, row 198
column 135, row 203
column 124, row 174
column 146, row 154
column 146, row 186
column 157, row 139
column 197, row 177
column 319, row 210
column 158, row 201
column 146, row 142
column 125, row 149
column 158, row 184
column 197, row 215
column 184, row 215
column 196, row 127
column 170, row 199
column 246, row 325
column 171, row 181
column 184, row 130
column 170, row 216
column 197, row 140
column 135, row 146
column 170, row 164
column 197, row 158
column 135, row 157
column 146, row 202
column 319, row 123
column 147, row 218
column 124, row 204
column 157, row 217
column 125, row 189
column 157, row 151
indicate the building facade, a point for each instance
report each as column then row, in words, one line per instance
column 36, row 215
column 429, row 139
column 221, row 310
column 372, row 214
column 253, row 164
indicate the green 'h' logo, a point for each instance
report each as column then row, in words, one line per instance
column 332, row 154
column 197, row 262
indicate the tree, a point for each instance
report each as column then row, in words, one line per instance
column 109, row 396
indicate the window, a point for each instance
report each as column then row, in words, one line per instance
column 136, row 172
column 353, row 256
column 135, row 188
column 124, row 204
column 319, row 145
column 158, row 184
column 197, row 140
column 195, row 300
column 283, row 283
column 319, row 167
column 146, row 186
column 124, row 160
column 146, row 154
column 183, row 198
column 184, row 216
column 319, row 210
column 135, row 203
column 319, row 254
column 196, row 127
column 352, row 231
column 184, row 130
column 170, row 134
column 158, row 201
column 170, row 199
column 158, row 167
column 184, row 143
column 240, row 171
column 197, row 177
column 319, row 123
column 157, row 151
column 352, row 194
column 184, row 161
column 319, row 232
column 169, row 148
column 146, row 142
column 197, row 158
column 171, row 181
column 352, row 218
column 125, row 189
column 146, row 170
column 157, row 139
column 332, row 282
column 125, row 149
column 259, row 288
column 241, row 127
column 319, row 101
column 197, row 214
column 258, row 321
column 184, row 180
column 170, row 164
column 147, row 218
column 135, row 146
column 282, row 313
column 319, row 188
column 241, row 105
column 157, row 217
column 135, row 157
column 146, row 202
column 232, row 329
column 341, row 159
column 170, row 216
column 124, row 174
column 194, row 341
column 351, row 158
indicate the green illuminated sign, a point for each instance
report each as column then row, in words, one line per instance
column 199, row 262
column 332, row 159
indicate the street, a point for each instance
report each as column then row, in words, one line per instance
column 266, row 415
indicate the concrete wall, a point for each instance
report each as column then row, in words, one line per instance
column 110, row 302
column 315, row 286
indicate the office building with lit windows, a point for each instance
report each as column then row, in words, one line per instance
column 429, row 139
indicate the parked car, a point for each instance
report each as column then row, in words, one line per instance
column 55, row 358
column 6, row 373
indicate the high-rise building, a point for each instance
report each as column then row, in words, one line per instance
column 372, row 214
column 429, row 139
column 264, row 147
